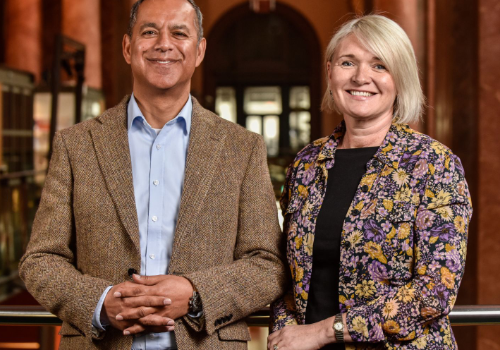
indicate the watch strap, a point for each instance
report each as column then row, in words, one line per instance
column 195, row 306
column 338, row 328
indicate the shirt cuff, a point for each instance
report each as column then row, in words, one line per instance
column 97, row 322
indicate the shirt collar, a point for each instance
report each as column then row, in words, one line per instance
column 186, row 114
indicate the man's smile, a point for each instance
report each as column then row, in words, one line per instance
column 162, row 61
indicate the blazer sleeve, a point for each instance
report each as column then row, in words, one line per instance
column 256, row 277
column 440, row 232
column 48, row 266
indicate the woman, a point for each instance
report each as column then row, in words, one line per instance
column 376, row 215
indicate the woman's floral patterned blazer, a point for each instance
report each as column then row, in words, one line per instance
column 403, row 244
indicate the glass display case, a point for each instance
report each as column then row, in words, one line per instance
column 18, row 192
column 92, row 106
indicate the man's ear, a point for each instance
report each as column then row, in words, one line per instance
column 200, row 52
column 126, row 48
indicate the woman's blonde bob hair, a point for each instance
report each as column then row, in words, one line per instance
column 388, row 41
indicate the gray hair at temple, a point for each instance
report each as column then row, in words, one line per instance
column 389, row 42
column 198, row 22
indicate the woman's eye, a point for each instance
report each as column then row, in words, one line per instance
column 380, row 67
column 346, row 64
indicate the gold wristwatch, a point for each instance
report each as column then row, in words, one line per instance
column 338, row 328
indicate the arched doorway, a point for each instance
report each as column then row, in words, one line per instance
column 263, row 71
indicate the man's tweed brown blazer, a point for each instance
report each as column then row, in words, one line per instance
column 85, row 235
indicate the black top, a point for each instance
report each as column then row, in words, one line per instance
column 343, row 181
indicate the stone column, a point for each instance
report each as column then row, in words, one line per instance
column 23, row 36
column 81, row 21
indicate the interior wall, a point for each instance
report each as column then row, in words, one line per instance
column 489, row 166
column 22, row 32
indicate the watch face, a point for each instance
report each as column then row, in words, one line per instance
column 338, row 326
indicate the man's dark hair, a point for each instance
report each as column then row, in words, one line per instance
column 198, row 22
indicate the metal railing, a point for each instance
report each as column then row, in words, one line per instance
column 461, row 315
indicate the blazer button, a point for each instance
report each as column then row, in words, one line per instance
column 131, row 272
column 364, row 188
column 346, row 244
column 376, row 163
column 355, row 212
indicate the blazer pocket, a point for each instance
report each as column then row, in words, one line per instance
column 68, row 330
column 235, row 332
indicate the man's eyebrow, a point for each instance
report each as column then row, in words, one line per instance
column 148, row 25
column 179, row 27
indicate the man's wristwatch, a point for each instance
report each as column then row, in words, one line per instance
column 195, row 305
column 338, row 328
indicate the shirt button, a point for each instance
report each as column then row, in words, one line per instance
column 152, row 257
column 154, row 218
column 376, row 163
column 156, row 182
column 158, row 146
column 364, row 188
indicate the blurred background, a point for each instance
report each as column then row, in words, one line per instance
column 61, row 62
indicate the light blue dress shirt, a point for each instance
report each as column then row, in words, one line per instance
column 158, row 167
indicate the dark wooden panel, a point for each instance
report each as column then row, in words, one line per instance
column 2, row 32
column 456, row 117
column 116, row 73
column 51, row 26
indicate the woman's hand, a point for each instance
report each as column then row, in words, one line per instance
column 304, row 337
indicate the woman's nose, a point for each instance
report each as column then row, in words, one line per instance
column 362, row 75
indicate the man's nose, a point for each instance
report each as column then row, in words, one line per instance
column 362, row 75
column 163, row 42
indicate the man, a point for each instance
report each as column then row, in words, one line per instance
column 162, row 187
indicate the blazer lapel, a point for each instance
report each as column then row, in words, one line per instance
column 205, row 146
column 113, row 154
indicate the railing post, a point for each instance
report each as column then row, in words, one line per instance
column 47, row 338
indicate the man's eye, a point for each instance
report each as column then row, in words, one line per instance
column 148, row 32
column 180, row 34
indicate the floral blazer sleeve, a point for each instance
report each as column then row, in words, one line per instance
column 403, row 242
